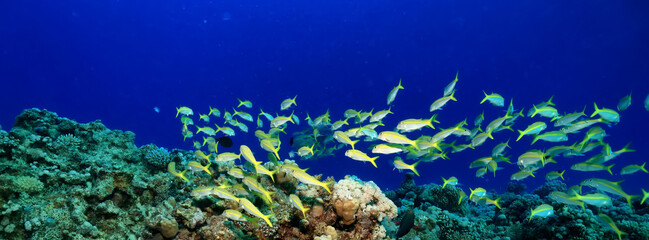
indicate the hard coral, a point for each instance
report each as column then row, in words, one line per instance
column 346, row 208
column 372, row 201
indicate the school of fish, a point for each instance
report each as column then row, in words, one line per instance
column 409, row 146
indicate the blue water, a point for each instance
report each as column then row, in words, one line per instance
column 117, row 60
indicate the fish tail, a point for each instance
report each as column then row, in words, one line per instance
column 445, row 182
column 521, row 133
column 373, row 161
column 353, row 143
column 549, row 102
column 496, row 202
column 535, row 111
column 609, row 169
column 596, row 110
column 207, row 168
column 485, row 97
column 414, row 168
column 642, row 168
column 535, row 139
column 177, row 111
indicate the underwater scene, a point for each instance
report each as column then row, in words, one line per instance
column 328, row 120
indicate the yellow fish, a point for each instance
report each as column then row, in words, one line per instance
column 253, row 210
column 360, row 156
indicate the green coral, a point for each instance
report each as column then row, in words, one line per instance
column 27, row 184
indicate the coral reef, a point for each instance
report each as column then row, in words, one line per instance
column 64, row 180
column 434, row 219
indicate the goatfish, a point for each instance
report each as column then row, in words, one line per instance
column 609, row 187
column 399, row 164
column 410, row 125
column 450, row 88
column 554, row 136
column 296, row 202
column 478, row 192
column 452, row 181
column 624, row 103
column 386, row 149
column 378, row 116
column 260, row 169
column 224, row 194
column 267, row 145
column 532, row 129
column 499, row 149
column 608, row 222
column 196, row 166
column 361, row 156
column 493, row 98
column 338, row 124
column 531, row 157
column 492, row 202
column 243, row 115
column 204, row 117
column 247, row 154
column 305, row 178
column 520, row 175
column 543, row 210
column 478, row 120
column 341, row 137
column 564, row 198
column 480, row 139
column 225, row 130
column 633, row 168
column 396, row 138
column 266, row 115
column 236, row 172
column 245, row 103
column 496, row 123
column 393, row 93
column 281, row 120
column 171, row 167
column 608, row 115
column 253, row 210
column 237, row 216
column 201, row 155
column 305, row 151
column 594, row 133
column 591, row 167
column 567, row 119
column 184, row 111
column 547, row 111
column 227, row 156
column 541, row 105
column 595, row 199
column 577, row 126
column 200, row 192
column 207, row 130
column 554, row 175
column 462, row 196
column 439, row 103
column 287, row 103
column 254, row 186
column 215, row 112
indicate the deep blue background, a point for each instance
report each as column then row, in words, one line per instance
column 116, row 60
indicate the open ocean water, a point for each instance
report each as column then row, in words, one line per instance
column 130, row 64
